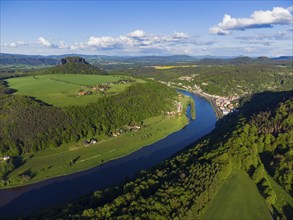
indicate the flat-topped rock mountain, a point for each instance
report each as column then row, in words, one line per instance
column 73, row 65
column 76, row 60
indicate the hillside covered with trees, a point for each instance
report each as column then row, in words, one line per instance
column 224, row 80
column 48, row 126
column 257, row 140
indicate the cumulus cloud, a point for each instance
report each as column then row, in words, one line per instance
column 218, row 31
column 44, row 42
column 137, row 41
column 14, row 44
column 258, row 19
column 63, row 45
column 102, row 42
column 180, row 35
column 137, row 33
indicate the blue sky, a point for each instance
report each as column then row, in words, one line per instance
column 219, row 28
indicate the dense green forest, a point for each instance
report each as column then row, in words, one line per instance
column 49, row 126
column 256, row 139
column 4, row 89
column 225, row 80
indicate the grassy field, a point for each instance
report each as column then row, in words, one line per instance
column 74, row 157
column 61, row 89
column 172, row 67
column 238, row 198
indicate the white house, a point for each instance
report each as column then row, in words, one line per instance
column 5, row 158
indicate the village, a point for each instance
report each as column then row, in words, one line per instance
column 125, row 129
column 113, row 134
column 225, row 104
column 178, row 108
column 101, row 88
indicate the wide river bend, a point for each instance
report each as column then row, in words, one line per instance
column 24, row 200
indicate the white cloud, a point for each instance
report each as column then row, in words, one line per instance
column 218, row 31
column 101, row 42
column 44, row 42
column 259, row 19
column 180, row 35
column 137, row 33
column 14, row 44
column 63, row 45
column 136, row 40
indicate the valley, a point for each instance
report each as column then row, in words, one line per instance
column 79, row 125
column 84, row 126
column 79, row 99
column 146, row 110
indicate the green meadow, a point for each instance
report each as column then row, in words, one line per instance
column 61, row 89
column 238, row 198
column 73, row 157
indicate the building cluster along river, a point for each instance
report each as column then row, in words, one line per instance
column 24, row 200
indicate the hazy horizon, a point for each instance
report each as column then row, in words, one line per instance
column 142, row 55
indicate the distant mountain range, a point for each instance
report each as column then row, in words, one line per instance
column 247, row 60
column 37, row 60
column 284, row 58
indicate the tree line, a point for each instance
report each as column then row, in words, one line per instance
column 225, row 80
column 184, row 185
column 28, row 125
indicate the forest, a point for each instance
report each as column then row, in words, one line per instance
column 256, row 140
column 48, row 126
column 225, row 80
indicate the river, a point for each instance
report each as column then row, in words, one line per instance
column 24, row 200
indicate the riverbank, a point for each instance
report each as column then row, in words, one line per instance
column 216, row 108
column 22, row 201
column 76, row 157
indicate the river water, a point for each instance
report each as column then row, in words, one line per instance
column 24, row 200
